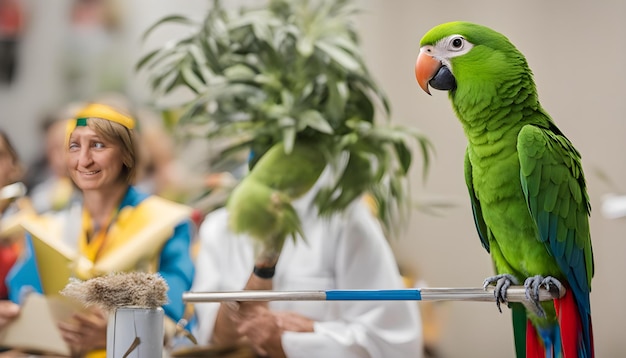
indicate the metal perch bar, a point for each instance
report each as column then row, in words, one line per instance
column 514, row 294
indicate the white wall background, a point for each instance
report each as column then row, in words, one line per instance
column 577, row 51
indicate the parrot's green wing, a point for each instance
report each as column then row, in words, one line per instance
column 481, row 226
column 554, row 187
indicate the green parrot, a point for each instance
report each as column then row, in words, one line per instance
column 525, row 182
column 261, row 204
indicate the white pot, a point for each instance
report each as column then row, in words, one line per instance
column 135, row 332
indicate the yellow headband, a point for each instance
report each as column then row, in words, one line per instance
column 97, row 110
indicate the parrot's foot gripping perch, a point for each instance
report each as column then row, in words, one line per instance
column 502, row 282
column 531, row 285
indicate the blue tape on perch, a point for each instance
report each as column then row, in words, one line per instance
column 373, row 295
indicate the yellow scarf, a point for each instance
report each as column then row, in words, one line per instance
column 121, row 227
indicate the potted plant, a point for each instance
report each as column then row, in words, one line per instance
column 287, row 82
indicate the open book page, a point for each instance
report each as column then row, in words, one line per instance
column 35, row 330
column 56, row 261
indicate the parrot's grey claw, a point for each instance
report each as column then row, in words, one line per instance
column 533, row 284
column 502, row 282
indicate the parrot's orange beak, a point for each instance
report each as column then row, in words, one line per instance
column 426, row 67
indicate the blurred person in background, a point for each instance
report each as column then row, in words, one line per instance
column 94, row 57
column 10, row 241
column 162, row 173
column 54, row 190
column 12, row 19
column 102, row 156
column 347, row 250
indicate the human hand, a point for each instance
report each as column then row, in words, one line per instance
column 263, row 330
column 8, row 312
column 291, row 321
column 86, row 331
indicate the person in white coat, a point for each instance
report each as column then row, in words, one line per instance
column 344, row 251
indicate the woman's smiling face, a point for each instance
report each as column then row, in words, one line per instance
column 92, row 161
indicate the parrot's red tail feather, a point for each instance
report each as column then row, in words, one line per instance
column 570, row 324
column 534, row 346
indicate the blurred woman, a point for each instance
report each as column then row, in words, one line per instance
column 10, row 173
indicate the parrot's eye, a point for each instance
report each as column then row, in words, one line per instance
column 457, row 43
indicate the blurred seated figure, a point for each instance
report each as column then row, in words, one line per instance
column 344, row 251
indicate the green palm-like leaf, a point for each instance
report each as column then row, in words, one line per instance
column 168, row 19
column 290, row 72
